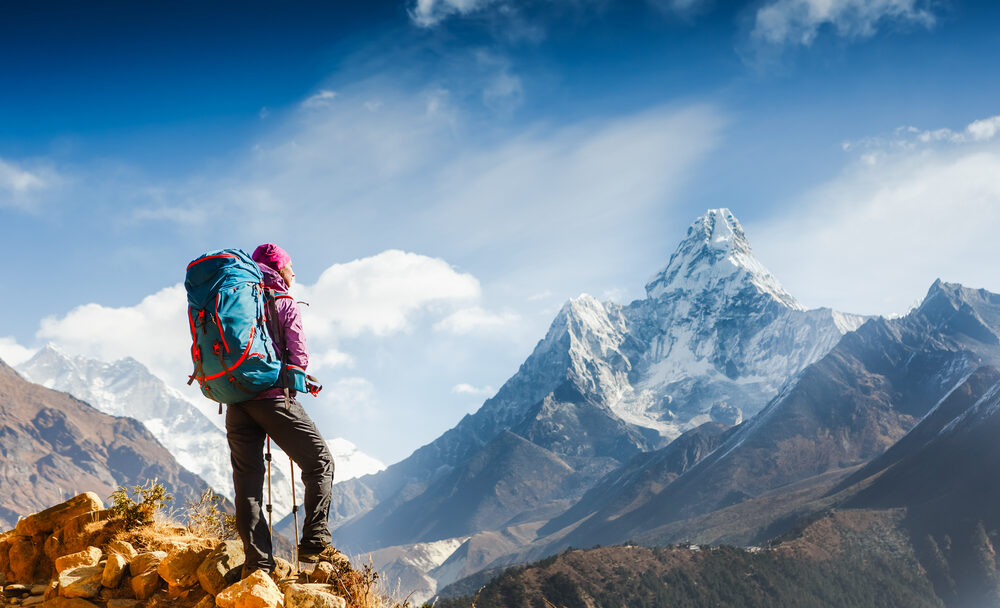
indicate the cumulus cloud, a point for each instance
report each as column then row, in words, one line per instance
column 380, row 294
column 12, row 353
column 148, row 331
column 372, row 297
column 476, row 320
column 798, row 22
column 874, row 239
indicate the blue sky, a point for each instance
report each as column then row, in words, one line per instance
column 446, row 173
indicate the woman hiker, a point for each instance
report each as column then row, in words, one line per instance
column 248, row 424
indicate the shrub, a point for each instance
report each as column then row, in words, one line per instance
column 133, row 512
column 206, row 519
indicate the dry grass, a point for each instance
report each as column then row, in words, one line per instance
column 364, row 587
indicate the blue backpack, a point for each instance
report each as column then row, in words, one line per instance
column 233, row 355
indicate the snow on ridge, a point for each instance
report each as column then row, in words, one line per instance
column 716, row 256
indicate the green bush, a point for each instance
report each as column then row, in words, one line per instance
column 140, row 506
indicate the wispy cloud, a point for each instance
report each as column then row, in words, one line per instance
column 21, row 186
column 426, row 13
column 322, row 99
column 429, row 13
column 468, row 389
column 874, row 239
column 799, row 22
column 910, row 137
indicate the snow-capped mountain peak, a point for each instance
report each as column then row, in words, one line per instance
column 715, row 256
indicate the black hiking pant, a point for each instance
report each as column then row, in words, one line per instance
column 247, row 425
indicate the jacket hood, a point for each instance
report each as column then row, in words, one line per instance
column 272, row 279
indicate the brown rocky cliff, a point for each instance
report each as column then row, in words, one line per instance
column 53, row 446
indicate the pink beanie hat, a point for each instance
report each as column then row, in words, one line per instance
column 272, row 255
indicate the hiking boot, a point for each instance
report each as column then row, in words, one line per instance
column 325, row 554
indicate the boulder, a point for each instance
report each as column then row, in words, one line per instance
column 55, row 517
column 282, row 568
column 52, row 590
column 222, row 567
column 123, row 548
column 24, row 556
column 34, row 600
column 255, row 591
column 122, row 603
column 321, row 573
column 114, row 571
column 312, row 595
column 68, row 602
column 38, row 589
column 146, row 584
column 74, row 526
column 16, row 590
column 180, row 567
column 4, row 555
column 82, row 581
column 53, row 547
column 185, row 595
column 146, row 561
column 206, row 602
column 88, row 557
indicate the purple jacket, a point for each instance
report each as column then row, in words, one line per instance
column 294, row 350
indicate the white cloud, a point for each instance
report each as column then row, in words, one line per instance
column 322, row 99
column 12, row 353
column 21, row 187
column 468, row 389
column 378, row 295
column 18, row 180
column 426, row 13
column 329, row 359
column 911, row 137
column 875, row 238
column 476, row 320
column 799, row 21
column 353, row 398
column 154, row 331
column 381, row 294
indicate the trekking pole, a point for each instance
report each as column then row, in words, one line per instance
column 267, row 457
column 295, row 517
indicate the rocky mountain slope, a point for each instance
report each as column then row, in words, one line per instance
column 847, row 560
column 840, row 413
column 714, row 340
column 53, row 446
column 895, row 427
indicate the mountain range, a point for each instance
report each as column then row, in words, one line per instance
column 127, row 388
column 54, row 446
column 715, row 339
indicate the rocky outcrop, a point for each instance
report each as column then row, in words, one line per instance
column 255, row 591
column 91, row 568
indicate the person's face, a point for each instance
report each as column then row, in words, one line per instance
column 287, row 273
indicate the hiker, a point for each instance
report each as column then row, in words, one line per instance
column 277, row 413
